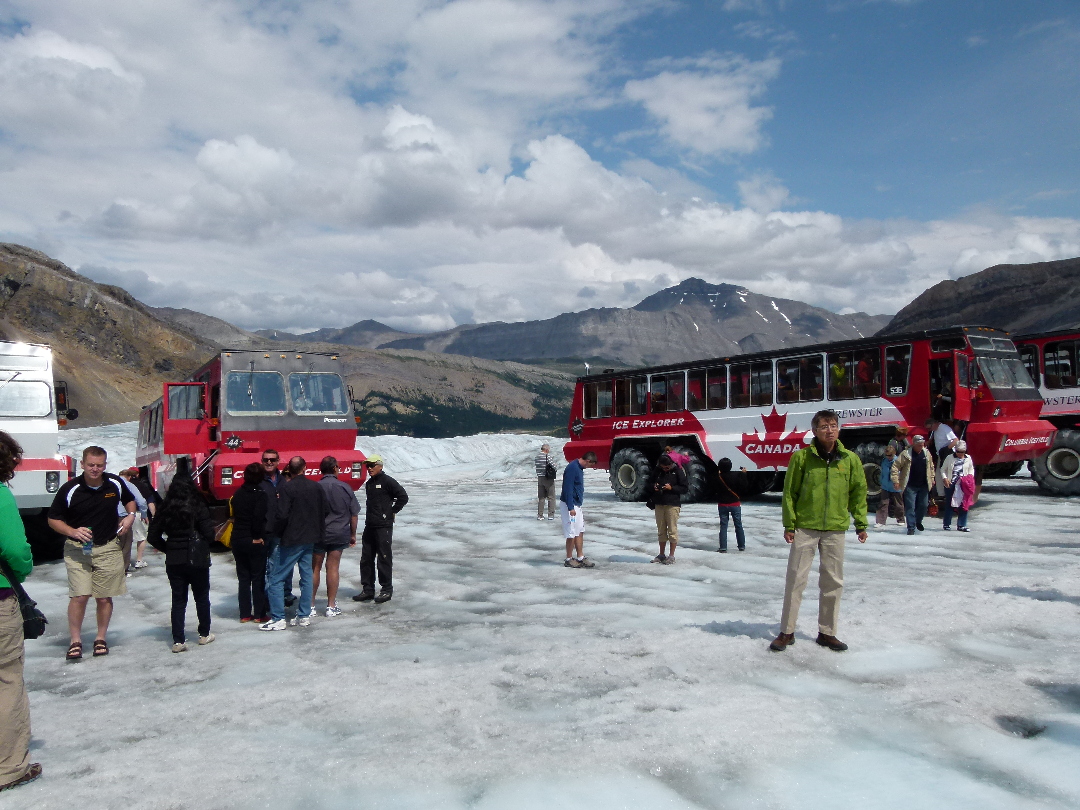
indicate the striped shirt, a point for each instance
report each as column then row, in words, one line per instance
column 541, row 461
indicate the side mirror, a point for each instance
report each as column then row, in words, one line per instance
column 200, row 414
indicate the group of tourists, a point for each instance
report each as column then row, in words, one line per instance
column 825, row 488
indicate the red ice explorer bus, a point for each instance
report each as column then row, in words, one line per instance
column 756, row 408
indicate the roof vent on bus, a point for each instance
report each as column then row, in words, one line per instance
column 609, row 371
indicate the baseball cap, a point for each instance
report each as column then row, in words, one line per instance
column 373, row 459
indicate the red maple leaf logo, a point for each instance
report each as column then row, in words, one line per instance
column 773, row 449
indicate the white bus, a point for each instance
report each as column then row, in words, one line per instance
column 32, row 408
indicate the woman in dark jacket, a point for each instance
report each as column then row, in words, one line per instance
column 249, row 508
column 185, row 521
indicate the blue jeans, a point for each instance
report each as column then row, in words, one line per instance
column 287, row 557
column 961, row 512
column 272, row 544
column 735, row 513
column 915, row 501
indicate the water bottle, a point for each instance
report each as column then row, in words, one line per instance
column 88, row 545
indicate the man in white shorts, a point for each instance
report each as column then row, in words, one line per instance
column 573, row 518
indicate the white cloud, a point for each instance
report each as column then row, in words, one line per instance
column 708, row 109
column 306, row 165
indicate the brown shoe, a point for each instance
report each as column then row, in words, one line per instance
column 782, row 641
column 832, row 642
column 32, row 773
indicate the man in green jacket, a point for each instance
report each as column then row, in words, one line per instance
column 824, row 488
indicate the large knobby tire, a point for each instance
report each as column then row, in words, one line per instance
column 871, row 454
column 629, row 472
column 1057, row 471
column 697, row 476
column 45, row 544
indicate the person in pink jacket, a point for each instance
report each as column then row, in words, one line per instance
column 956, row 481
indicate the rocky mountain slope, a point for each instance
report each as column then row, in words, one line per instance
column 112, row 351
column 692, row 320
column 115, row 353
column 369, row 334
column 1019, row 298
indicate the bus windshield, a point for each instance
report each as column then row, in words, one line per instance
column 25, row 398
column 316, row 394
column 1005, row 372
column 251, row 393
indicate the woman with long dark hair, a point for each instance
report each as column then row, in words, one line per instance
column 184, row 519
column 249, row 506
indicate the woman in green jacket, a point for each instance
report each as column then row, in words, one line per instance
column 15, row 766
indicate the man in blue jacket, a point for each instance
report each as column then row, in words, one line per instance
column 573, row 518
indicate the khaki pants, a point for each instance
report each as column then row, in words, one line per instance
column 830, row 578
column 667, row 523
column 545, row 491
column 14, row 704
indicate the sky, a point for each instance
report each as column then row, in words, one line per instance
column 298, row 165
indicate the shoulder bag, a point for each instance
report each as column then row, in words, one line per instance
column 34, row 620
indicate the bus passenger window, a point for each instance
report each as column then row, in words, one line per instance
column 631, row 394
column 841, row 375
column 897, row 366
column 621, row 404
column 799, row 379
column 868, row 373
column 639, row 402
column 695, row 390
column 597, row 399
column 668, row 392
column 1060, row 362
column 855, row 374
column 717, row 388
column 761, row 383
column 740, row 386
column 1029, row 356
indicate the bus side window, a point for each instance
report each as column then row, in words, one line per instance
column 589, row 393
column 1060, row 359
column 695, row 390
column 717, row 388
column 144, row 429
column 740, row 386
column 1029, row 356
column 639, row 402
column 761, row 383
column 799, row 379
column 841, row 368
column 897, row 367
column 669, row 392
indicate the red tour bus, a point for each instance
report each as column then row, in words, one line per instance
column 756, row 408
column 1051, row 360
column 242, row 402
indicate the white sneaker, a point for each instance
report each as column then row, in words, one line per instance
column 141, row 563
column 313, row 613
column 551, row 517
column 539, row 517
column 179, row 647
column 301, row 621
column 272, row 625
column 206, row 639
column 333, row 610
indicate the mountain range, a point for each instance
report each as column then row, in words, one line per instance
column 115, row 352
column 692, row 320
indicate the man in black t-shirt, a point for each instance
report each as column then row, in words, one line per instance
column 87, row 511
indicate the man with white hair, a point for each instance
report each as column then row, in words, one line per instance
column 545, row 483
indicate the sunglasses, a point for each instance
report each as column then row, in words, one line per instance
column 270, row 461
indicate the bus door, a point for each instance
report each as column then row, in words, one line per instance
column 186, row 430
column 962, row 387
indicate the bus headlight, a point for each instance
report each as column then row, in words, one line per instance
column 52, row 481
column 226, row 475
column 357, row 469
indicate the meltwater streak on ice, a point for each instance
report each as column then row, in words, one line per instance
column 498, row 678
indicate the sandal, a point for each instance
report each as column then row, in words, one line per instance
column 100, row 648
column 74, row 652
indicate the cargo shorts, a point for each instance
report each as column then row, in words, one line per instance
column 100, row 574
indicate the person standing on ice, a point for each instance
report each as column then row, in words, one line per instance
column 84, row 511
column 339, row 532
column 913, row 474
column 573, row 518
column 15, row 765
column 825, row 486
column 301, row 514
column 545, row 483
column 385, row 498
column 666, row 486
